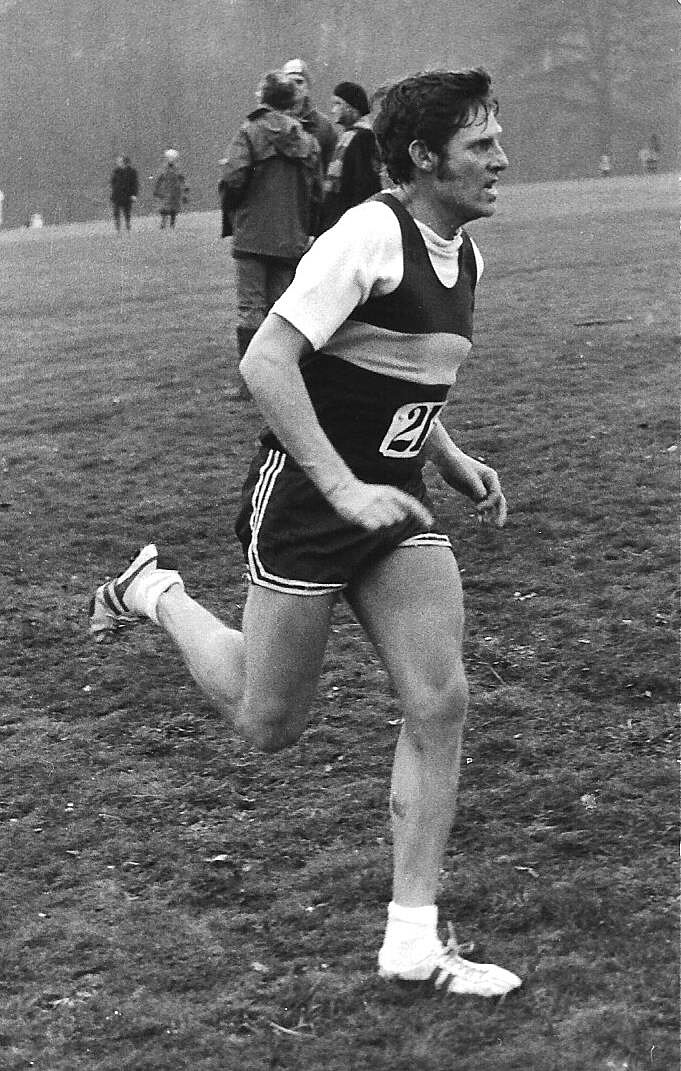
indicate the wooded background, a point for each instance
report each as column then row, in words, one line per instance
column 84, row 80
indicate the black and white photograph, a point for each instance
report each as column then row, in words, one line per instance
column 339, row 552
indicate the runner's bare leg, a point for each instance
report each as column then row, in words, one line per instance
column 411, row 606
column 264, row 677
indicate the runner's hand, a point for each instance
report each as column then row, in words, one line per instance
column 373, row 506
column 492, row 508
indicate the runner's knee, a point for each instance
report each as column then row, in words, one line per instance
column 439, row 709
column 271, row 727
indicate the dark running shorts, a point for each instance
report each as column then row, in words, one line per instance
column 294, row 542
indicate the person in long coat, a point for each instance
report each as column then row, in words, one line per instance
column 170, row 189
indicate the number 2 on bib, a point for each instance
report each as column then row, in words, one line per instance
column 409, row 429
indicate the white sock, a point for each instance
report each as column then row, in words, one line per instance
column 410, row 925
column 148, row 590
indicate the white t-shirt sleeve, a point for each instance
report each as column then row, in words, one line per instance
column 361, row 254
column 478, row 259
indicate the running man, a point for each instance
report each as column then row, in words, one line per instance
column 351, row 369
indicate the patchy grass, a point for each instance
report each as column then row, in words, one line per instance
column 173, row 900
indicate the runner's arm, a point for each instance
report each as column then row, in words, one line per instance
column 468, row 475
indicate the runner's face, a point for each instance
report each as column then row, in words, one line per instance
column 469, row 167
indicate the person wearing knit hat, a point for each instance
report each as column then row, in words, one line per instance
column 352, row 95
column 314, row 121
column 354, row 171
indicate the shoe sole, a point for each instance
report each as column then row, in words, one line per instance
column 433, row 981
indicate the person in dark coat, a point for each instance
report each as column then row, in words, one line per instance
column 354, row 173
column 124, row 190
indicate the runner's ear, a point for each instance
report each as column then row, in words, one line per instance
column 422, row 157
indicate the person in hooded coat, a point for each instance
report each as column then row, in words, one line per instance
column 271, row 187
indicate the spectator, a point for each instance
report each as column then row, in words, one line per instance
column 226, row 229
column 375, row 101
column 170, row 189
column 315, row 122
column 124, row 190
column 652, row 155
column 271, row 185
column 354, row 172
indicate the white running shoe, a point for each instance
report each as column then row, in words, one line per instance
column 444, row 966
column 132, row 596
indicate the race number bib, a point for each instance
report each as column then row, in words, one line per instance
column 409, row 429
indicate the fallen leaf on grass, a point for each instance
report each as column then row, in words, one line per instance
column 287, row 1030
column 527, row 870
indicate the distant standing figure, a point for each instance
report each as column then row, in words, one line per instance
column 315, row 122
column 170, row 189
column 2, row 201
column 604, row 166
column 650, row 155
column 124, row 190
column 354, row 173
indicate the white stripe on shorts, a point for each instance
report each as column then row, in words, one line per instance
column 427, row 539
column 262, row 492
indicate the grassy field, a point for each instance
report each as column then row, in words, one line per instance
column 172, row 900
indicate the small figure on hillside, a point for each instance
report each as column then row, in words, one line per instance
column 170, row 189
column 649, row 155
column 124, row 190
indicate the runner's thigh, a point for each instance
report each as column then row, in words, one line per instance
column 411, row 607
column 285, row 639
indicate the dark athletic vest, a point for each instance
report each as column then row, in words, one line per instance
column 379, row 422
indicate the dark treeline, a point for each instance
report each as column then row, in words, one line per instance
column 84, row 80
